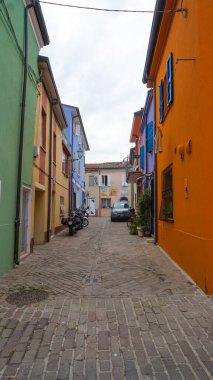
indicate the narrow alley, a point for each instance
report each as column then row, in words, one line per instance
column 103, row 305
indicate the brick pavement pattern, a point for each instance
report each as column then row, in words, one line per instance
column 117, row 309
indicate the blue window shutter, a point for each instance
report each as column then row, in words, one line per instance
column 142, row 158
column 149, row 137
column 161, row 100
column 169, row 79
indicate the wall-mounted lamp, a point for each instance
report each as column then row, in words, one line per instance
column 80, row 155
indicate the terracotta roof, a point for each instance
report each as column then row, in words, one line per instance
column 106, row 165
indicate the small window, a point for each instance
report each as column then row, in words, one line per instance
column 64, row 164
column 43, row 129
column 61, row 206
column 105, row 202
column 166, row 211
column 104, row 180
column 54, row 148
column 91, row 180
column 166, row 89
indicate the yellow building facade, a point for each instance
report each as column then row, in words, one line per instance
column 178, row 67
column 50, row 191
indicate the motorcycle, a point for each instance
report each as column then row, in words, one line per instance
column 73, row 222
column 82, row 215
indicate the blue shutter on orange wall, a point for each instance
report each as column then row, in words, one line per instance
column 149, row 137
column 142, row 157
column 161, row 101
column 169, row 79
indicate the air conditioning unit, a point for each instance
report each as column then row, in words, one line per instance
column 36, row 150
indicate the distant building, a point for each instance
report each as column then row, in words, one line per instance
column 78, row 145
column 147, row 153
column 105, row 184
column 134, row 172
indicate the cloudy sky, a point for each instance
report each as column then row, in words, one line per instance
column 97, row 60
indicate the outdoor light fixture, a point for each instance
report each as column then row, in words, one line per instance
column 80, row 155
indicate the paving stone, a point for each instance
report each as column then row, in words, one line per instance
column 109, row 315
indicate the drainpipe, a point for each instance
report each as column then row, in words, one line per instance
column 50, row 171
column 21, row 136
column 155, row 172
column 71, row 177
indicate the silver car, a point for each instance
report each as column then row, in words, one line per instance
column 120, row 211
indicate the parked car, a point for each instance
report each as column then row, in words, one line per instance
column 120, row 211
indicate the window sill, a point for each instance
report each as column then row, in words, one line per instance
column 166, row 113
column 169, row 220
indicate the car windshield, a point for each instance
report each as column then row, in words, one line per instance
column 121, row 205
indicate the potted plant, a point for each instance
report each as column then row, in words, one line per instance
column 144, row 213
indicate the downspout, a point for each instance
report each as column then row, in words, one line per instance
column 21, row 136
column 50, row 172
column 71, row 177
column 155, row 172
column 145, row 143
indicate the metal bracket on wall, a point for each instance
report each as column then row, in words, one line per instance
column 184, row 59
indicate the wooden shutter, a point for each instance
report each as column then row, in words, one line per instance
column 161, row 101
column 169, row 79
column 99, row 180
column 109, row 180
column 142, row 157
column 149, row 137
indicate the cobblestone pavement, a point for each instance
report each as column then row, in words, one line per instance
column 117, row 308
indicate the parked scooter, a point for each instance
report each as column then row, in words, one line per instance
column 82, row 215
column 73, row 222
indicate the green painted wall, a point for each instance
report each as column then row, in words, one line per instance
column 11, row 69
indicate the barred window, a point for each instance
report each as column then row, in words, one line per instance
column 166, row 210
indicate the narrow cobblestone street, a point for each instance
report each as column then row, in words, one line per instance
column 116, row 308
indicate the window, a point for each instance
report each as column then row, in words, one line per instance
column 105, row 202
column 79, row 167
column 169, row 79
column 161, row 100
column 77, row 129
column 166, row 211
column 54, row 148
column 149, row 137
column 64, row 164
column 166, row 92
column 43, row 129
column 91, row 180
column 104, row 180
column 61, row 206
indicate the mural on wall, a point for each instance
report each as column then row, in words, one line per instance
column 104, row 191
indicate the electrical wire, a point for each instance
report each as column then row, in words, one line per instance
column 107, row 9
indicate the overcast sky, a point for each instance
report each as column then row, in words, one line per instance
column 97, row 59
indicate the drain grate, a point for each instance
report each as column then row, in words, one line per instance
column 27, row 297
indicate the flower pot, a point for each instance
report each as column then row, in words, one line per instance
column 140, row 232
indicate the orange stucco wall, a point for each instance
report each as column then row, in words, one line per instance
column 60, row 183
column 189, row 240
